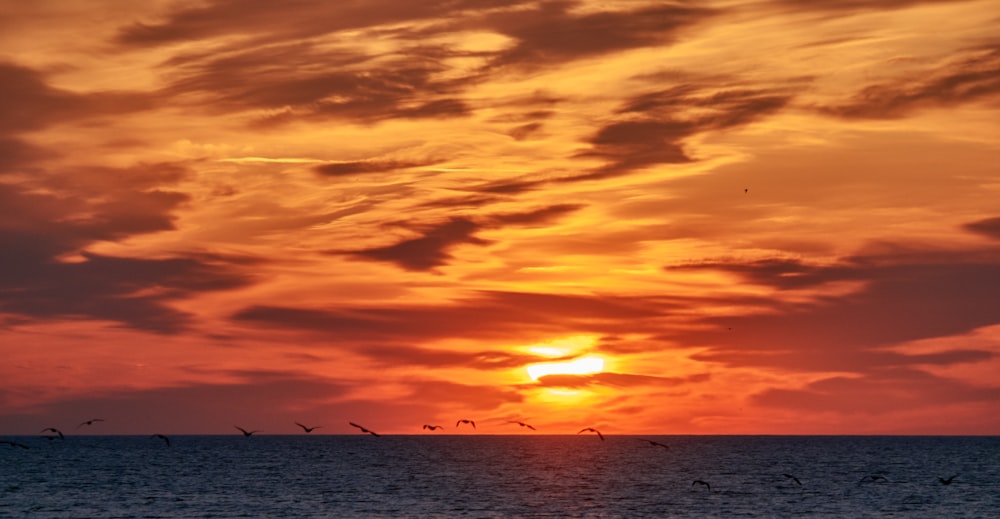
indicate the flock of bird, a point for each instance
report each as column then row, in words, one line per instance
column 56, row 433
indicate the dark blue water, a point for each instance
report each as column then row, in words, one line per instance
column 499, row 476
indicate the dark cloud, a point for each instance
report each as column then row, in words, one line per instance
column 973, row 76
column 619, row 380
column 902, row 297
column 536, row 217
column 653, row 126
column 851, row 6
column 508, row 315
column 554, row 32
column 338, row 169
column 990, row 227
column 429, row 250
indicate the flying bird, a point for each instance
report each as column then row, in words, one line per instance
column 14, row 444
column 591, row 429
column 308, row 429
column 373, row 433
column 947, row 481
column 162, row 437
column 700, row 482
column 432, row 427
column 90, row 422
column 245, row 432
column 793, row 478
column 470, row 422
column 654, row 443
column 522, row 424
column 57, row 431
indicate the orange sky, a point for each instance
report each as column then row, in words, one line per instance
column 642, row 216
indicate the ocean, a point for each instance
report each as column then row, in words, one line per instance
column 487, row 476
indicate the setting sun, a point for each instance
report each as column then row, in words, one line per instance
column 581, row 366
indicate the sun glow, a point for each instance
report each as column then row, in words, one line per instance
column 581, row 366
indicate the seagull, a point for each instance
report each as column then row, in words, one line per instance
column 162, row 437
column 793, row 478
column 947, row 481
column 90, row 422
column 591, row 429
column 654, row 444
column 15, row 444
column 432, row 427
column 245, row 432
column 57, row 431
column 700, row 482
column 466, row 421
column 522, row 424
column 373, row 433
column 307, row 429
column 873, row 477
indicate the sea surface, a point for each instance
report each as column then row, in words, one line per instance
column 439, row 476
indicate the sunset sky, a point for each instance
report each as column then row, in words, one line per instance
column 704, row 217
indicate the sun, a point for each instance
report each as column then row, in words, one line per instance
column 580, row 366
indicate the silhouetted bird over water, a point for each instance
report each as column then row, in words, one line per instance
column 654, row 443
column 793, row 478
column 591, row 429
column 245, row 432
column 522, row 424
column 308, row 429
column 700, row 482
column 947, row 481
column 57, row 431
column 432, row 427
column 90, row 422
column 470, row 422
column 873, row 477
column 162, row 437
column 373, row 433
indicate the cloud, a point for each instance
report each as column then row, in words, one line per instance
column 989, row 227
column 339, row 169
column 902, row 296
column 619, row 380
column 482, row 314
column 971, row 76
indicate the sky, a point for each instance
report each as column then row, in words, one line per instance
column 646, row 217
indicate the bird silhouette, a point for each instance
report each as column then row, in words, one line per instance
column 654, row 443
column 308, row 429
column 162, row 437
column 432, row 427
column 90, row 422
column 873, row 477
column 245, row 432
column 947, row 481
column 470, row 422
column 373, row 433
column 700, row 482
column 14, row 444
column 522, row 424
column 57, row 431
column 793, row 478
column 591, row 429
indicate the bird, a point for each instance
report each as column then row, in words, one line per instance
column 793, row 478
column 470, row 422
column 373, row 433
column 14, row 444
column 591, row 429
column 308, row 429
column 947, row 481
column 746, row 190
column 90, row 422
column 873, row 477
column 654, row 443
column 57, row 431
column 700, row 482
column 432, row 427
column 162, row 437
column 245, row 432
column 522, row 424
